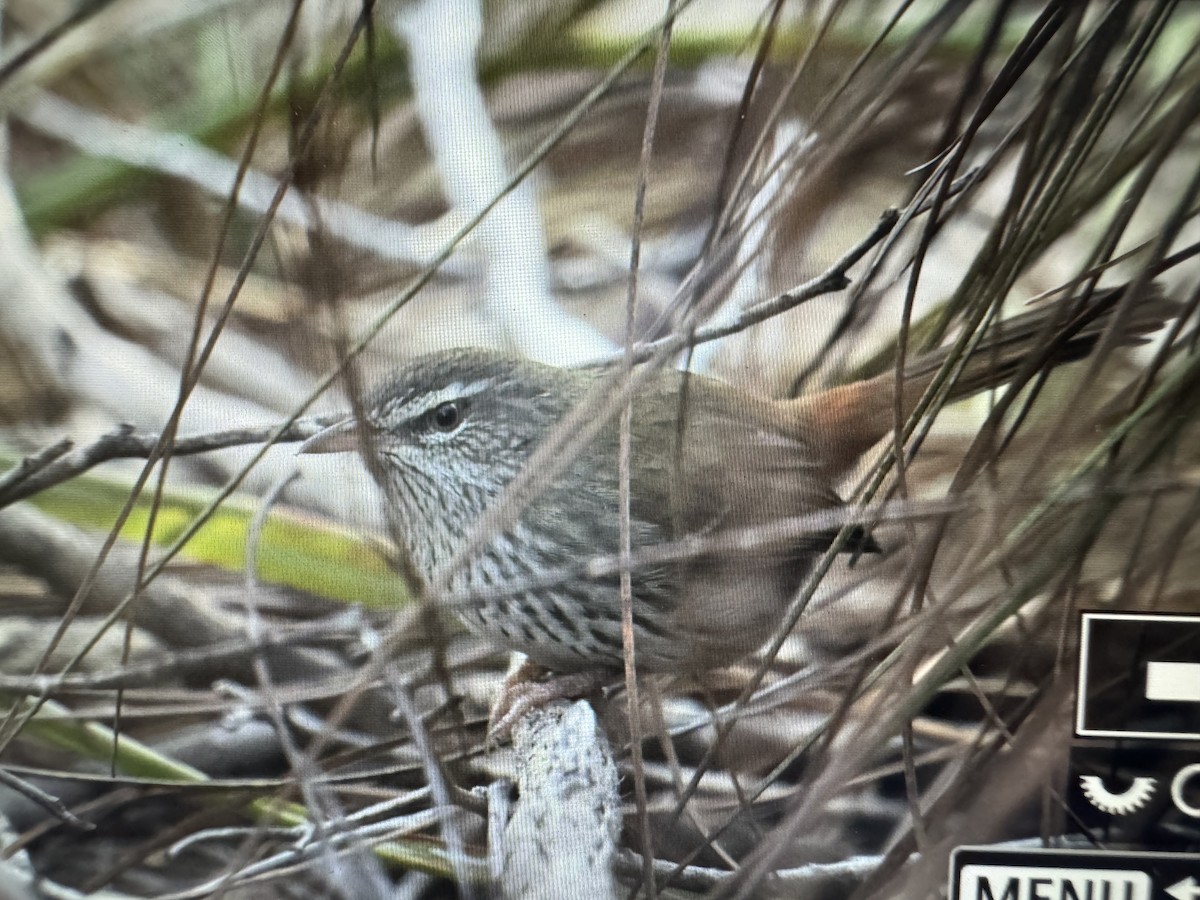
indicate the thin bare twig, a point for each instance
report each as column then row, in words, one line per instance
column 625, row 447
column 832, row 280
column 62, row 461
column 211, row 658
column 47, row 801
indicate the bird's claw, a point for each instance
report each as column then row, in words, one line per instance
column 526, row 690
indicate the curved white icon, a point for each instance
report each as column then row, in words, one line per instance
column 1129, row 800
column 1177, row 784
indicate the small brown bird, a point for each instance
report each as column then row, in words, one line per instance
column 452, row 429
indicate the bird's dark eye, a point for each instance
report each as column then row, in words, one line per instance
column 447, row 416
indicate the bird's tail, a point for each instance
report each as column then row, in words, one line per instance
column 849, row 419
column 1057, row 333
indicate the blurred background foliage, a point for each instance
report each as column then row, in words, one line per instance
column 1056, row 143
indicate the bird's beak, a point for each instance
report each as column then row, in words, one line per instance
column 341, row 437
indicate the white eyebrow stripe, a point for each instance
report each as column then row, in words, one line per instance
column 418, row 406
column 458, row 389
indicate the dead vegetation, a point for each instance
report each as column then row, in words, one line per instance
column 223, row 215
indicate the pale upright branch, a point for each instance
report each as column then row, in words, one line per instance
column 562, row 838
column 471, row 159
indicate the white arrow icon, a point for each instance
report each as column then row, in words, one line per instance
column 1187, row 889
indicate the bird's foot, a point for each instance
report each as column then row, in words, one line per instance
column 531, row 687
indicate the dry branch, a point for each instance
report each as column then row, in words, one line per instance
column 561, row 840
